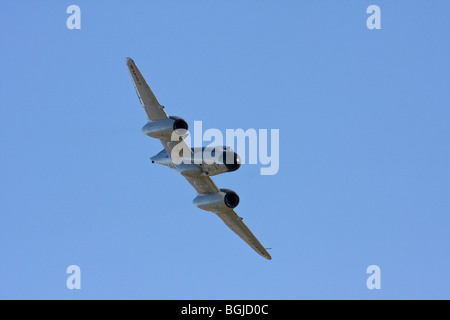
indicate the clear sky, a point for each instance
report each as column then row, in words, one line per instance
column 364, row 149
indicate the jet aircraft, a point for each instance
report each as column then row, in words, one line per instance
column 198, row 173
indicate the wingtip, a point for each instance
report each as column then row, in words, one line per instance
column 265, row 254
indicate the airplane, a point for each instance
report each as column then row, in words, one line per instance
column 209, row 197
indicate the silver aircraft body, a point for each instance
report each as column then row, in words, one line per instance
column 198, row 173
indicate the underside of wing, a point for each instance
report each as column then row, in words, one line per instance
column 203, row 185
column 153, row 109
column 235, row 223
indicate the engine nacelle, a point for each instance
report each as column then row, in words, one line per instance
column 216, row 202
column 163, row 129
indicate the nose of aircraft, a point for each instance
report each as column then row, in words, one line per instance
column 232, row 160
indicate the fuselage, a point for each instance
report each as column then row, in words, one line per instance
column 208, row 161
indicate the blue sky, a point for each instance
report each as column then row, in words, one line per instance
column 364, row 149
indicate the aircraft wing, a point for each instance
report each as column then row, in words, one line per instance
column 235, row 223
column 153, row 109
column 205, row 185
